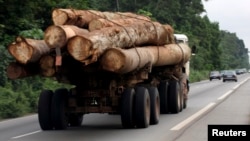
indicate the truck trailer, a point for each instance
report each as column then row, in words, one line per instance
column 139, row 97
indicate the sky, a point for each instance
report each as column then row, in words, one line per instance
column 232, row 16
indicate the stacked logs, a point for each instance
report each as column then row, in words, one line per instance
column 119, row 42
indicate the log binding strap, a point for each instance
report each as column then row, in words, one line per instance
column 127, row 31
column 58, row 61
column 133, row 46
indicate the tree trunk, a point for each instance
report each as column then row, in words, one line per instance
column 88, row 49
column 127, row 60
column 101, row 23
column 16, row 70
column 81, row 18
column 57, row 36
column 28, row 50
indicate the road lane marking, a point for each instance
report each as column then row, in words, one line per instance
column 225, row 95
column 31, row 133
column 230, row 91
column 242, row 82
column 193, row 117
column 235, row 87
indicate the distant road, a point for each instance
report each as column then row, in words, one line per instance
column 210, row 102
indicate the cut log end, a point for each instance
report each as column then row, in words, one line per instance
column 55, row 36
column 50, row 72
column 112, row 60
column 95, row 25
column 80, row 48
column 170, row 31
column 59, row 17
column 14, row 71
column 47, row 65
column 47, row 61
column 21, row 51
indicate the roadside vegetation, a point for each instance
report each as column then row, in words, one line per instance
column 216, row 49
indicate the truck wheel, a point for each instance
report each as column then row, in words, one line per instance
column 163, row 92
column 183, row 83
column 75, row 120
column 174, row 96
column 142, row 107
column 154, row 105
column 181, row 96
column 59, row 117
column 185, row 104
column 44, row 110
column 127, row 108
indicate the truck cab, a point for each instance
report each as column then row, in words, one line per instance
column 181, row 38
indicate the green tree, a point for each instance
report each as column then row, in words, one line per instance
column 234, row 54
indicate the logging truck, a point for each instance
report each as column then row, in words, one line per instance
column 139, row 97
column 117, row 63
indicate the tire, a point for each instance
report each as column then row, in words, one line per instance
column 163, row 92
column 185, row 104
column 59, row 117
column 154, row 105
column 75, row 120
column 181, row 97
column 142, row 107
column 127, row 108
column 174, row 97
column 44, row 110
column 184, row 89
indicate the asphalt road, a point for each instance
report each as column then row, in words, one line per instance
column 210, row 102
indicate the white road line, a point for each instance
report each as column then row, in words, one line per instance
column 197, row 114
column 31, row 133
column 235, row 87
column 225, row 95
column 193, row 117
column 230, row 91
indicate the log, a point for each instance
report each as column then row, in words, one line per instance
column 16, row 70
column 47, row 66
column 81, row 18
column 101, row 23
column 88, row 49
column 26, row 50
column 127, row 60
column 170, row 37
column 57, row 36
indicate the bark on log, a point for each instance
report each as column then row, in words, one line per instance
column 81, row 18
column 127, row 60
column 170, row 37
column 47, row 65
column 28, row 50
column 57, row 36
column 101, row 23
column 87, row 50
column 16, row 70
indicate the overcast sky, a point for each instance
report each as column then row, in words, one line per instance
column 232, row 15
